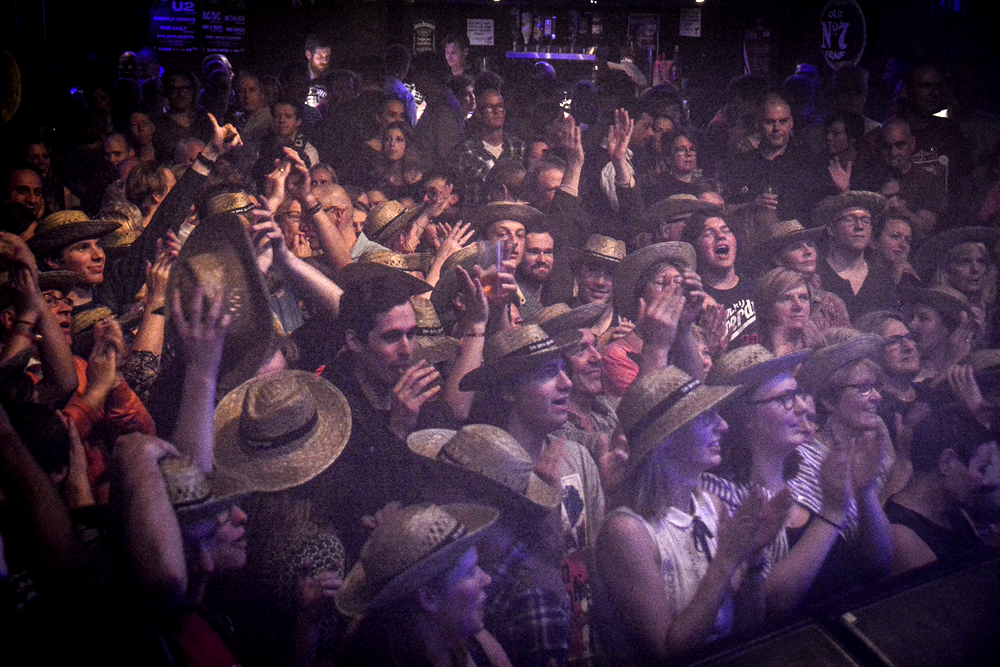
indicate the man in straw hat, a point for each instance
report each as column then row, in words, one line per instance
column 663, row 562
column 527, row 606
column 848, row 218
column 523, row 388
column 944, row 327
column 666, row 218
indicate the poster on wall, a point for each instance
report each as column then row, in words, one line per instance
column 223, row 26
column 423, row 36
column 690, row 22
column 843, row 33
column 480, row 32
column 191, row 26
column 173, row 26
column 644, row 30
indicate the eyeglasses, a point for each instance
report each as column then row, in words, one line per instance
column 293, row 215
column 855, row 219
column 786, row 399
column 892, row 342
column 337, row 211
column 51, row 299
column 864, row 389
column 496, row 108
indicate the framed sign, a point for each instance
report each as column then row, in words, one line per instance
column 644, row 30
column 423, row 36
column 480, row 32
column 843, row 33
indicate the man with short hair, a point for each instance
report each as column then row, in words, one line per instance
column 24, row 187
column 534, row 270
column 318, row 59
column 477, row 155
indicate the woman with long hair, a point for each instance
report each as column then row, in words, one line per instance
column 399, row 174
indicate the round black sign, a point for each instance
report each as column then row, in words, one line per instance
column 843, row 33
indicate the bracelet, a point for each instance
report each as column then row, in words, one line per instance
column 34, row 338
column 313, row 210
column 205, row 161
column 159, row 310
column 825, row 520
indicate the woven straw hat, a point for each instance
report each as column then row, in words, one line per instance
column 939, row 297
column 487, row 454
column 752, row 365
column 195, row 496
column 88, row 318
column 382, row 264
column 603, row 249
column 780, row 236
column 407, row 550
column 129, row 216
column 676, row 208
column 281, row 430
column 826, row 211
column 436, row 347
column 512, row 351
column 229, row 202
column 219, row 257
column 817, row 369
column 934, row 250
column 660, row 402
column 560, row 317
column 388, row 218
column 626, row 282
column 64, row 281
column 484, row 216
column 62, row 228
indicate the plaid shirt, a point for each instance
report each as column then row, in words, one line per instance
column 531, row 623
column 474, row 162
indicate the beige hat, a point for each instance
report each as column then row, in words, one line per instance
column 64, row 281
column 827, row 210
column 602, row 249
column 660, row 402
column 677, row 208
column 560, row 317
column 62, row 228
column 389, row 217
column 484, row 216
column 382, row 264
column 436, row 347
column 280, row 430
column 939, row 297
column 229, row 202
column 195, row 496
column 823, row 363
column 752, row 365
column 635, row 264
column 407, row 550
column 935, row 249
column 490, row 454
column 780, row 236
column 512, row 351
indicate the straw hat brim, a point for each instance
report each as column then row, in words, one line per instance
column 226, row 492
column 765, row 250
column 702, row 399
column 484, row 216
column 50, row 240
column 438, row 349
column 358, row 595
column 817, row 369
column 667, row 209
column 828, row 208
column 937, row 300
column 428, row 443
column 64, row 281
column 636, row 263
column 589, row 256
column 763, row 371
column 581, row 317
column 363, row 272
column 487, row 375
column 294, row 463
column 936, row 248
column 397, row 223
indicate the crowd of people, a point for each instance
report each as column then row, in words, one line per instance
column 419, row 366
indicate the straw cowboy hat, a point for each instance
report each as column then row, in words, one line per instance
column 229, row 202
column 939, row 297
column 197, row 497
column 559, row 317
column 219, row 257
column 626, row 283
column 280, row 430
column 676, row 208
column 658, row 403
column 408, row 550
column 382, row 264
column 512, row 351
column 64, row 281
column 484, row 216
column 935, row 249
column 817, row 369
column 752, row 365
column 62, row 228
column 389, row 217
column 782, row 235
column 603, row 249
column 436, row 347
column 485, row 453
column 827, row 210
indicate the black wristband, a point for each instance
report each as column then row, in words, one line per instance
column 205, row 161
column 313, row 210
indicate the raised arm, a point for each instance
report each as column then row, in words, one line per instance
column 573, row 148
column 472, row 329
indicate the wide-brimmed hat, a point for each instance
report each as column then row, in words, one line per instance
column 407, row 550
column 435, row 346
column 828, row 208
column 62, row 228
column 635, row 264
column 560, row 317
column 129, row 217
column 229, row 202
column 196, row 496
column 389, row 217
column 218, row 257
column 780, row 236
column 939, row 297
column 986, row 365
column 484, row 216
column 281, row 429
column 382, row 264
column 487, row 454
column 934, row 250
column 752, row 365
column 603, row 249
column 676, row 208
column 512, row 351
column 64, row 281
column 660, row 402
column 817, row 369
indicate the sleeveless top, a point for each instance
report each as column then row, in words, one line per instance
column 946, row 543
column 683, row 563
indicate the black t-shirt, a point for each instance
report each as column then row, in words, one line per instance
column 741, row 313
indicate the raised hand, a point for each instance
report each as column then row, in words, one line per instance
column 659, row 320
column 455, row 239
column 619, row 136
column 418, row 384
column 202, row 333
column 476, row 305
column 224, row 137
column 841, row 175
column 157, row 275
